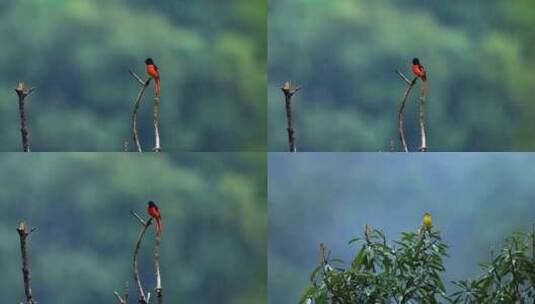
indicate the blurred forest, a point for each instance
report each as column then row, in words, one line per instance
column 479, row 58
column 214, row 225
column 477, row 200
column 211, row 55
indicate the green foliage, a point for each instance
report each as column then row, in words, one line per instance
column 410, row 272
column 406, row 272
column 77, row 53
column 508, row 278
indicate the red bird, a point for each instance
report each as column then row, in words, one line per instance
column 152, row 71
column 418, row 69
column 154, row 212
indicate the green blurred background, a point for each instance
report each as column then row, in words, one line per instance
column 476, row 201
column 214, row 237
column 211, row 53
column 479, row 57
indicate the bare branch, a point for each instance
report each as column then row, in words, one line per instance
column 158, row 289
column 137, row 103
column 139, row 218
column 142, row 298
column 136, row 77
column 421, row 117
column 23, row 93
column 122, row 299
column 404, row 77
column 288, row 94
column 156, row 123
column 410, row 84
column 23, row 235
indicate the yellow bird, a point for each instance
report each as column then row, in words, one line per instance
column 427, row 222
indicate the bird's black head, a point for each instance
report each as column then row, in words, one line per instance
column 151, row 204
column 415, row 61
column 149, row 61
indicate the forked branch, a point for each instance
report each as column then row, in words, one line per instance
column 124, row 298
column 142, row 297
column 143, row 85
column 401, row 132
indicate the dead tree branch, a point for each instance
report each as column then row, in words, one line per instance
column 421, row 117
column 23, row 93
column 410, row 84
column 23, row 235
column 142, row 297
column 288, row 94
column 143, row 85
column 158, row 289
column 156, row 123
column 124, row 298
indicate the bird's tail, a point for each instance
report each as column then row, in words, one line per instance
column 426, row 85
column 157, row 86
column 158, row 225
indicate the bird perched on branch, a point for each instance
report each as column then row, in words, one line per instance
column 154, row 212
column 427, row 222
column 152, row 71
column 418, row 69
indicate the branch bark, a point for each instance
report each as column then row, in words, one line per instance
column 156, row 123
column 23, row 235
column 142, row 297
column 410, row 84
column 288, row 94
column 421, row 117
column 143, row 85
column 22, row 92
column 122, row 299
column 158, row 289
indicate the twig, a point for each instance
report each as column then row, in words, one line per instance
column 410, row 84
column 288, row 94
column 158, row 289
column 421, row 112
column 156, row 123
column 124, row 298
column 23, row 93
column 137, row 103
column 23, row 234
column 142, row 298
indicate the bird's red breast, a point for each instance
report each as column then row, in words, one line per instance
column 152, row 70
column 418, row 70
column 153, row 212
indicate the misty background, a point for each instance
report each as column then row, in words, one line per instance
column 478, row 56
column 77, row 53
column 476, row 201
column 213, row 207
